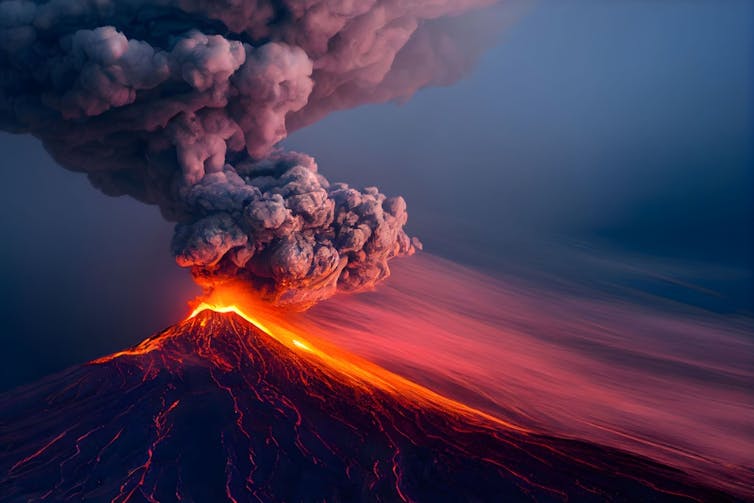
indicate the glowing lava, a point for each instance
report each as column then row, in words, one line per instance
column 356, row 368
column 203, row 306
column 226, row 406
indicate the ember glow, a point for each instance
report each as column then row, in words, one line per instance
column 203, row 306
column 215, row 409
column 346, row 364
column 528, row 361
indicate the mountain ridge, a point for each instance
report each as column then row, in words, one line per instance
column 215, row 409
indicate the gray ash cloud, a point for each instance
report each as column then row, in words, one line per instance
column 181, row 104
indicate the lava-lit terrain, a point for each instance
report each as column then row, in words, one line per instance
column 215, row 409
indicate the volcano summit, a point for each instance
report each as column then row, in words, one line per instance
column 215, row 409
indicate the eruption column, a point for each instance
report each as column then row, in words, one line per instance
column 181, row 104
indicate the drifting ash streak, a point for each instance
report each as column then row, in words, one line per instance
column 673, row 385
column 218, row 409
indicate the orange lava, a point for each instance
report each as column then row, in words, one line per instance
column 360, row 371
column 288, row 379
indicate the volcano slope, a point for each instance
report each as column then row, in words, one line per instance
column 213, row 409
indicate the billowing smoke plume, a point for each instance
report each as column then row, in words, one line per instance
column 180, row 103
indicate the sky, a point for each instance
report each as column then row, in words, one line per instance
column 605, row 142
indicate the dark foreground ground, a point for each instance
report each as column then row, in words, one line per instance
column 214, row 410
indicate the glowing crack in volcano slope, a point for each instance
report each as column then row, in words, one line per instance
column 361, row 371
column 216, row 408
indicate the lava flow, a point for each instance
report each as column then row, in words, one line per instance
column 227, row 407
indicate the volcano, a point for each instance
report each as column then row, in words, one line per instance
column 216, row 409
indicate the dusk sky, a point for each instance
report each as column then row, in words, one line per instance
column 593, row 139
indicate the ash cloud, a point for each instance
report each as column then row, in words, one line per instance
column 181, row 104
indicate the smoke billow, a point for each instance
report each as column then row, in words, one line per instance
column 181, row 103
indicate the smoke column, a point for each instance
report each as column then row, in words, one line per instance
column 181, row 103
column 673, row 385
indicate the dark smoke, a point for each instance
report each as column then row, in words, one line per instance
column 180, row 103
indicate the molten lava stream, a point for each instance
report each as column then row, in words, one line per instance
column 359, row 370
column 233, row 406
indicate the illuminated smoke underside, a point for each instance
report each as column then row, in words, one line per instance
column 181, row 104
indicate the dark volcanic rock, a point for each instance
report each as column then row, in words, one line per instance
column 214, row 410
